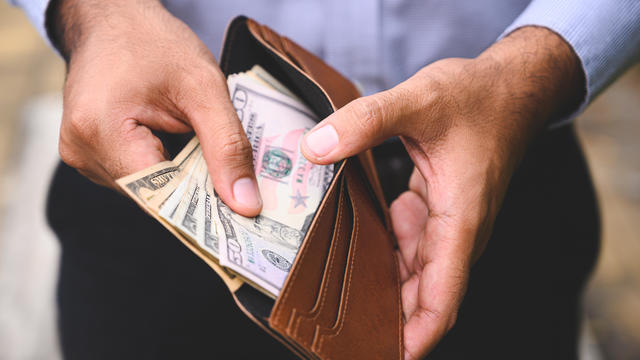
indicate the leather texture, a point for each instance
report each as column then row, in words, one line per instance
column 341, row 299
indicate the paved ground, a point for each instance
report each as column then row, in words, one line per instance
column 29, row 116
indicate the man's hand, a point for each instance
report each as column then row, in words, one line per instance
column 133, row 68
column 466, row 124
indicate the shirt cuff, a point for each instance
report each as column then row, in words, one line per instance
column 35, row 11
column 604, row 34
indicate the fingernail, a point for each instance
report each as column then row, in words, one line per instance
column 323, row 140
column 245, row 192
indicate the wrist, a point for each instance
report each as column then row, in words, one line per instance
column 70, row 24
column 540, row 73
column 539, row 79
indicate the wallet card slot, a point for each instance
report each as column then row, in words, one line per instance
column 302, row 325
column 303, row 283
column 345, row 280
column 361, row 328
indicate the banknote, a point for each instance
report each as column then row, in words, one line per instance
column 257, row 258
column 143, row 185
column 275, row 124
column 210, row 238
column 178, row 200
column 167, row 190
column 260, row 73
column 184, row 217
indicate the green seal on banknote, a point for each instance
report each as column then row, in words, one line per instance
column 276, row 163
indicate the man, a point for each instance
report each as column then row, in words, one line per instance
column 497, row 165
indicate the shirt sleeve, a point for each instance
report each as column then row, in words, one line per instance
column 35, row 11
column 605, row 34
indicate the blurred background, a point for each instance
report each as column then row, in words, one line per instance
column 31, row 78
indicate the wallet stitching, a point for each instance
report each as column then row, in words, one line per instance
column 323, row 297
column 331, row 266
column 346, row 304
column 285, row 294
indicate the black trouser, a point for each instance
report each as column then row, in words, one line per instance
column 129, row 290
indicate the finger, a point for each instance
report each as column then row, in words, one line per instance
column 104, row 156
column 410, row 296
column 359, row 125
column 164, row 118
column 225, row 147
column 409, row 216
column 133, row 149
column 402, row 267
column 439, row 293
column 444, row 256
column 418, row 184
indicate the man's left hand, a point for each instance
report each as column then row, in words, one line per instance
column 466, row 123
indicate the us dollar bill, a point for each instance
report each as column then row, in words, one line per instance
column 251, row 255
column 210, row 237
column 259, row 73
column 143, row 185
column 176, row 204
column 185, row 217
column 161, row 196
column 275, row 124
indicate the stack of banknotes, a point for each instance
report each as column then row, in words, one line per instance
column 261, row 250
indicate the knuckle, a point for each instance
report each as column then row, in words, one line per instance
column 368, row 114
column 235, row 150
column 70, row 156
column 78, row 124
column 431, row 315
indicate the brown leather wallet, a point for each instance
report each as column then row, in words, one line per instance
column 341, row 299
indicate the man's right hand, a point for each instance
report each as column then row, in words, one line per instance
column 133, row 68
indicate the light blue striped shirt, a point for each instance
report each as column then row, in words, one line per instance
column 379, row 43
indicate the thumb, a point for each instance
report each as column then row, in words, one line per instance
column 359, row 125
